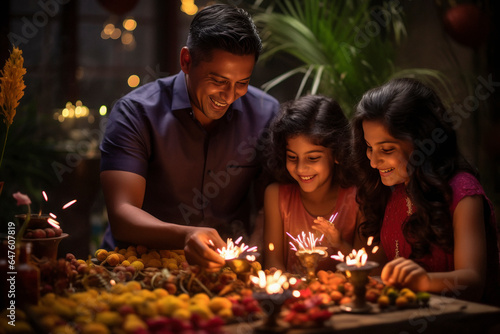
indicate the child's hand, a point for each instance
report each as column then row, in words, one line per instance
column 407, row 273
column 331, row 233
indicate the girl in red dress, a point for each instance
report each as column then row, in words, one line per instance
column 420, row 197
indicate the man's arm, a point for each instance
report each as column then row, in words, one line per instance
column 124, row 195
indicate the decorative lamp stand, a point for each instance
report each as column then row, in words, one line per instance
column 358, row 276
column 309, row 260
column 271, row 306
column 241, row 267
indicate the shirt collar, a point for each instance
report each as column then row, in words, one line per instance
column 180, row 99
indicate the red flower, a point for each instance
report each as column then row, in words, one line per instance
column 22, row 199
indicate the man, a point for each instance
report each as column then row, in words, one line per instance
column 180, row 156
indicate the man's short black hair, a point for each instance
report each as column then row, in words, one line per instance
column 223, row 27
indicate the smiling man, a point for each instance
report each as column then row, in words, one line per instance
column 180, row 164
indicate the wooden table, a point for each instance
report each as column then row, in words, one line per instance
column 444, row 315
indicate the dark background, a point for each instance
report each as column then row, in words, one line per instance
column 67, row 60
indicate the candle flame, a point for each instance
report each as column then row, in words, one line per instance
column 356, row 258
column 375, row 249
column 53, row 215
column 303, row 242
column 271, row 246
column 70, row 203
column 271, row 283
column 233, row 251
column 45, row 196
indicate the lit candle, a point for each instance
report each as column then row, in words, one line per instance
column 272, row 284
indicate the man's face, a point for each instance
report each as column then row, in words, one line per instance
column 214, row 85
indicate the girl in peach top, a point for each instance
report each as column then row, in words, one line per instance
column 309, row 149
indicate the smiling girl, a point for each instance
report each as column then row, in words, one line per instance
column 309, row 139
column 420, row 197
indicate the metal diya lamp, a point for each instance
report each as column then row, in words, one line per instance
column 242, row 266
column 357, row 269
column 358, row 276
column 271, row 294
column 309, row 259
column 308, row 253
column 239, row 258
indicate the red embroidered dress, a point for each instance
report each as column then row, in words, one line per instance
column 393, row 242
column 296, row 219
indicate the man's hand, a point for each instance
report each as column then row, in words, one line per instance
column 200, row 248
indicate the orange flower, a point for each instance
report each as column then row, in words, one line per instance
column 12, row 85
column 11, row 90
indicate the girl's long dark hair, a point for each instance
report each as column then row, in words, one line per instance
column 411, row 112
column 322, row 120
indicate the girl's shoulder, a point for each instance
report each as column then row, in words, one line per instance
column 463, row 181
column 464, row 184
column 280, row 189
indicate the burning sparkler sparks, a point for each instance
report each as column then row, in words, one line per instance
column 306, row 243
column 356, row 258
column 52, row 220
column 70, row 203
column 233, row 251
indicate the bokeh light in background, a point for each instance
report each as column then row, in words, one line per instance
column 133, row 80
column 103, row 110
column 77, row 110
column 129, row 24
column 189, row 7
column 127, row 37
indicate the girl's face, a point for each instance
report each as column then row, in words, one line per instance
column 386, row 153
column 309, row 164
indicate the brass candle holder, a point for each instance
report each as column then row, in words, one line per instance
column 271, row 305
column 309, row 259
column 358, row 276
column 241, row 267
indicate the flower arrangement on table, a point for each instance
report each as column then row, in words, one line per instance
column 11, row 91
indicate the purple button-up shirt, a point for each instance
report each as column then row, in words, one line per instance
column 193, row 177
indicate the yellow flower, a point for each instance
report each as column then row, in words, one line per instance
column 11, row 89
column 12, row 85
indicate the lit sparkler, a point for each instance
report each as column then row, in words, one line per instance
column 306, row 243
column 70, row 203
column 356, row 258
column 233, row 250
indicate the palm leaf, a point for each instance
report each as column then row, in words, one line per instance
column 343, row 50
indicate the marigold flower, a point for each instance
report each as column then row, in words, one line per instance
column 11, row 91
